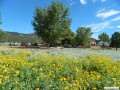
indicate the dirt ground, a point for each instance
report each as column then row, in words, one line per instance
column 13, row 48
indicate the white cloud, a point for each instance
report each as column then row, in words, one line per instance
column 115, row 19
column 98, row 0
column 118, row 26
column 72, row 3
column 103, row 0
column 83, row 2
column 96, row 27
column 105, row 14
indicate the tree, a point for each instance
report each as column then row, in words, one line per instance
column 68, row 37
column 0, row 19
column 115, row 40
column 2, row 36
column 83, row 35
column 51, row 22
column 2, row 33
column 104, row 39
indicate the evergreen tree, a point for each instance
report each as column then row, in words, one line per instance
column 104, row 39
column 115, row 40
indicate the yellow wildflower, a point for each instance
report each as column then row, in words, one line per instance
column 66, row 88
column 114, row 79
column 0, row 82
column 37, row 89
column 94, row 88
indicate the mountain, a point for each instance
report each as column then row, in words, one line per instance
column 21, row 37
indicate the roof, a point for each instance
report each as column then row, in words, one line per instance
column 92, row 39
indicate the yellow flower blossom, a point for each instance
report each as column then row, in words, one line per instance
column 66, row 88
column 94, row 88
column 114, row 79
column 37, row 89
column 0, row 82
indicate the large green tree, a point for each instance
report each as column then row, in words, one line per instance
column 51, row 22
column 104, row 39
column 83, row 35
column 115, row 40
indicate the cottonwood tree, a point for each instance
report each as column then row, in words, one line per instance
column 83, row 35
column 104, row 39
column 51, row 22
column 115, row 40
column 68, row 37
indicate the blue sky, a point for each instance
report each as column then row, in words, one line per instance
column 100, row 15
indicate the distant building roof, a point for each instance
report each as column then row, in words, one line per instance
column 92, row 39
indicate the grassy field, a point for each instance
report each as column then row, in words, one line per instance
column 77, row 52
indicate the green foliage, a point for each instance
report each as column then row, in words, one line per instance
column 104, row 39
column 20, row 37
column 83, row 35
column 0, row 19
column 68, row 37
column 2, row 33
column 115, row 40
column 2, row 36
column 51, row 22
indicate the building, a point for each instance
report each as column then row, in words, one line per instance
column 93, row 42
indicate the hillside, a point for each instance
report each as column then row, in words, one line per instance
column 21, row 37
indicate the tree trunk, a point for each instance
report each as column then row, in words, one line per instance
column 116, row 48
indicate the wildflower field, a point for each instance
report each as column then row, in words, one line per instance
column 22, row 70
